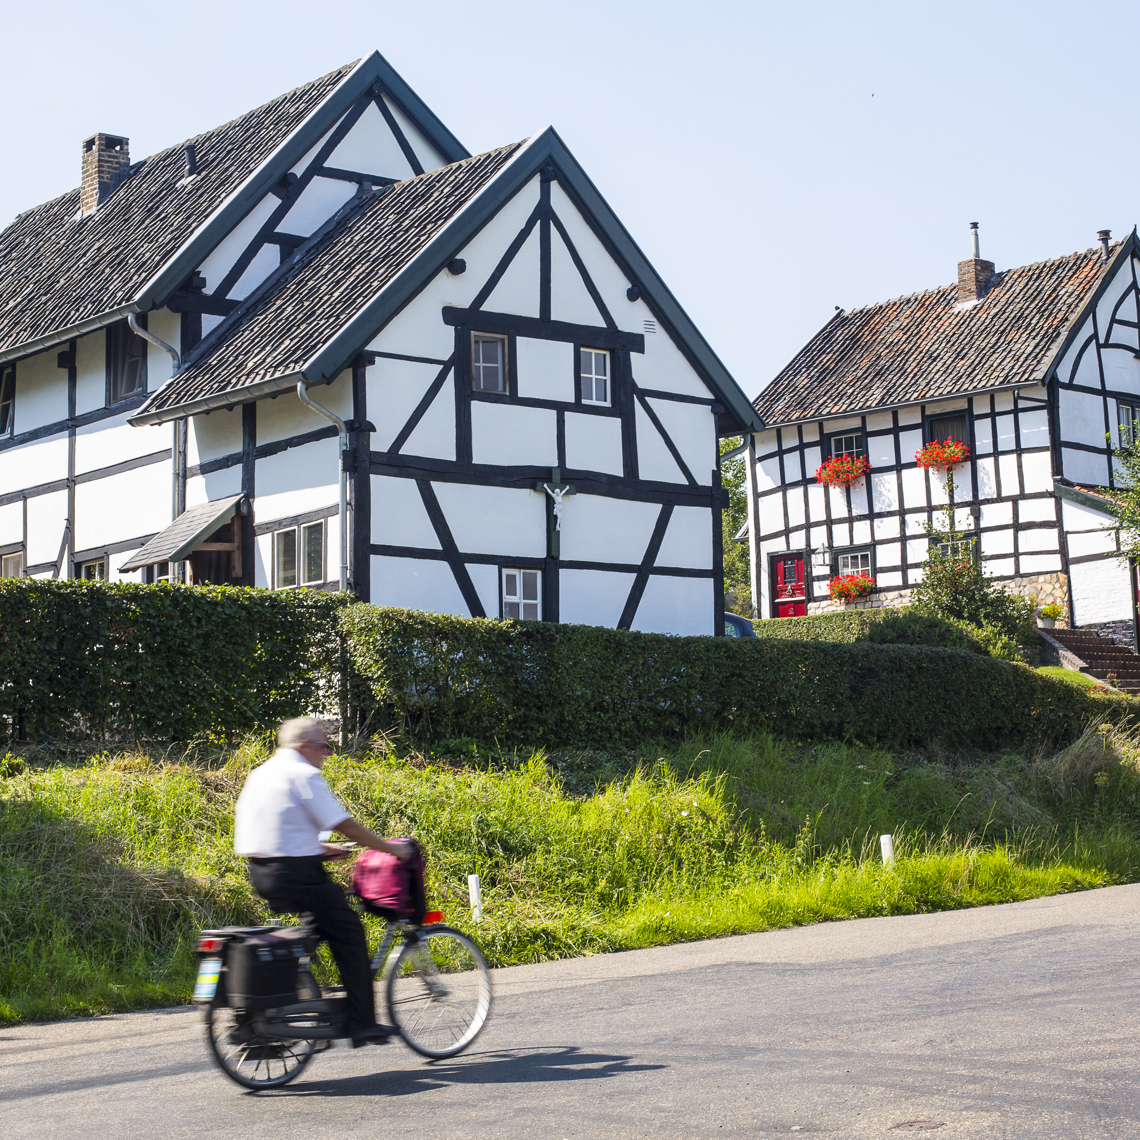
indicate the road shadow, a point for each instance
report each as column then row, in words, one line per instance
column 504, row 1066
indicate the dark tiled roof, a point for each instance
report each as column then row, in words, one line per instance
column 56, row 272
column 919, row 348
column 285, row 322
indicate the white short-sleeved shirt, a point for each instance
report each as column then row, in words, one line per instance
column 283, row 807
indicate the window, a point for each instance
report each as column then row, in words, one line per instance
column 960, row 548
column 157, row 572
column 7, row 400
column 1126, row 415
column 299, row 556
column 848, row 444
column 489, row 363
column 12, row 565
column 126, row 362
column 94, row 571
column 595, row 376
column 521, row 594
column 949, row 427
column 853, row 562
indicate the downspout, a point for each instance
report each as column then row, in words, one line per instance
column 342, row 433
column 178, row 445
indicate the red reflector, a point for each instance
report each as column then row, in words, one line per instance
column 210, row 945
column 432, row 917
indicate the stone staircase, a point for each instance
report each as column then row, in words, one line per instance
column 1100, row 656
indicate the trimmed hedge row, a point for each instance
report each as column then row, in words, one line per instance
column 165, row 662
column 534, row 683
column 844, row 625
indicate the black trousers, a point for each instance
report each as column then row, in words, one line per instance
column 302, row 886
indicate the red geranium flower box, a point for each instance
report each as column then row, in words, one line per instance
column 848, row 587
column 842, row 471
column 943, row 454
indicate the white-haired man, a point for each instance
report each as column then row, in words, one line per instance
column 283, row 807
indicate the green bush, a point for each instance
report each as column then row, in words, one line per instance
column 166, row 662
column 845, row 625
column 909, row 627
column 555, row 685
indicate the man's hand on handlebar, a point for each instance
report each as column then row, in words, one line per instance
column 350, row 829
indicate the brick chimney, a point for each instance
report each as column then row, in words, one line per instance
column 974, row 274
column 105, row 161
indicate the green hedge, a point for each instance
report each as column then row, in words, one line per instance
column 534, row 683
column 845, row 625
column 163, row 662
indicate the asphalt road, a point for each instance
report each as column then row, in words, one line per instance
column 1010, row 1021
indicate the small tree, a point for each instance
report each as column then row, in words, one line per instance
column 737, row 567
column 1125, row 501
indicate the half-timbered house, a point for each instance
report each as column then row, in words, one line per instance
column 324, row 346
column 1035, row 368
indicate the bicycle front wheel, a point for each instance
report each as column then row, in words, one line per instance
column 439, row 991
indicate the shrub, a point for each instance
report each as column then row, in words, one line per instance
column 911, row 627
column 538, row 683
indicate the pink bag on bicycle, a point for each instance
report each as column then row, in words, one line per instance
column 388, row 887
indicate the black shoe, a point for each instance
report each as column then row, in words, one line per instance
column 372, row 1035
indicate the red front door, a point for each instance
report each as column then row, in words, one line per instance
column 789, row 596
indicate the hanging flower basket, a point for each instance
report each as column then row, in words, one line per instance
column 848, row 587
column 843, row 470
column 943, row 454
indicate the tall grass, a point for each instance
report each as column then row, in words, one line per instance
column 112, row 861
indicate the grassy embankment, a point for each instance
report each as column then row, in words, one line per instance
column 110, row 862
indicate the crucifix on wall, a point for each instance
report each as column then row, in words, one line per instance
column 555, row 491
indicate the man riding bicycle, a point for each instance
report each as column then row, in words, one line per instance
column 283, row 807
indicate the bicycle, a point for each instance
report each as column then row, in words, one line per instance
column 437, row 988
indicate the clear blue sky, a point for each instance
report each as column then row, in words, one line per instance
column 773, row 160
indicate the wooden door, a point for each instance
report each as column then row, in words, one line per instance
column 789, row 593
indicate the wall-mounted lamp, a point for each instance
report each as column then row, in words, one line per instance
column 821, row 557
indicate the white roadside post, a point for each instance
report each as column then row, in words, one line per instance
column 476, row 897
column 887, row 843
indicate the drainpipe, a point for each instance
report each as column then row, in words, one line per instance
column 342, row 433
column 146, row 334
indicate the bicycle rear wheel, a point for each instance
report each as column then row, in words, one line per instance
column 439, row 991
column 253, row 1060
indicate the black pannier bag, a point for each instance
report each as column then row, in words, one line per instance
column 261, row 970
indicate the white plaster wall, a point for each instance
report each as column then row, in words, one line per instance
column 688, row 539
column 888, row 554
column 837, row 500
column 598, row 529
column 916, row 550
column 296, row 481
column 318, row 202
column 395, row 388
column 111, row 441
column 485, row 579
column 545, row 369
column 771, row 511
column 1121, row 368
column 510, row 435
column 91, row 372
column 371, row 148
column 122, row 506
column 654, row 461
column 846, row 423
column 570, row 300
column 166, row 326
column 1007, row 472
column 606, row 275
column 796, row 509
column 215, row 435
column 1084, row 467
column 1034, row 428
column 767, row 473
column 983, row 436
column 217, row 485
column 1091, row 542
column 1037, row 510
column 914, row 487
column 593, row 443
column 418, row 584
column 504, row 521
column 767, row 443
column 287, row 416
column 817, row 504
column 996, row 514
column 987, row 478
column 11, row 523
column 1037, row 540
column 399, row 517
column 41, row 392
column 47, row 516
column 1120, row 283
column 518, row 289
column 1076, row 516
column 592, row 597
column 1040, row 563
column 888, row 527
column 812, row 459
column 692, row 428
column 1006, row 437
column 1081, row 416
column 230, row 248
column 664, row 368
column 429, row 157
column 262, row 560
column 434, row 435
column 881, row 450
column 793, row 471
column 1036, row 471
column 675, row 605
column 264, row 262
column 32, row 464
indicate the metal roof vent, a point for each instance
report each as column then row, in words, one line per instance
column 1104, row 236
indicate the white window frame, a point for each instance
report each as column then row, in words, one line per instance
column 12, row 564
column 477, row 365
column 838, row 451
column 299, row 533
column 121, row 338
column 98, row 568
column 593, row 377
column 7, row 400
column 855, row 554
column 967, row 548
column 1127, row 416
column 518, row 599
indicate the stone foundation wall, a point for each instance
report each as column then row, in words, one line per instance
column 1119, row 631
column 1046, row 588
